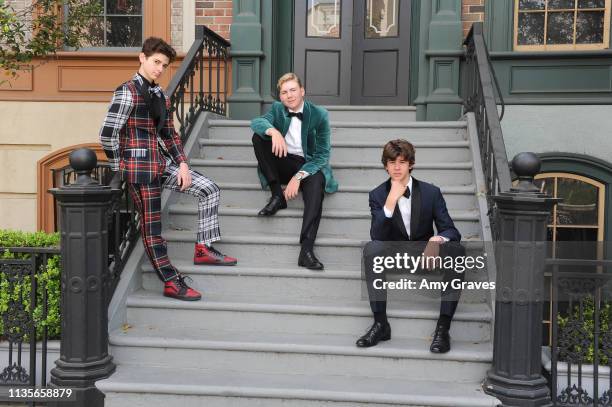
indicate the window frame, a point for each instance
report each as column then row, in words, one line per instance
column 601, row 226
column 562, row 47
column 113, row 49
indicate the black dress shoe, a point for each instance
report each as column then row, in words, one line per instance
column 309, row 260
column 441, row 340
column 274, row 204
column 378, row 332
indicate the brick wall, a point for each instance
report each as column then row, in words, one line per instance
column 216, row 15
column 176, row 24
column 472, row 10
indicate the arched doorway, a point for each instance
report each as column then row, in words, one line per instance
column 48, row 169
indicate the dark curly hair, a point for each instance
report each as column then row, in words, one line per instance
column 397, row 148
column 153, row 45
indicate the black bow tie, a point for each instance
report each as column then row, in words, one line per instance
column 407, row 193
column 152, row 100
column 299, row 115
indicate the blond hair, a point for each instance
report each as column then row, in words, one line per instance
column 289, row 76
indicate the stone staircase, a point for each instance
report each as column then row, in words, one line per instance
column 268, row 333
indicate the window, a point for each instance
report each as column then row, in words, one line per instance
column 324, row 18
column 561, row 24
column 579, row 218
column 119, row 26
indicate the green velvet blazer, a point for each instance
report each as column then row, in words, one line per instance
column 316, row 142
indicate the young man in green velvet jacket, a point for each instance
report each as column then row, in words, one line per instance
column 292, row 146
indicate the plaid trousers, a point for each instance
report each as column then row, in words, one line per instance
column 147, row 198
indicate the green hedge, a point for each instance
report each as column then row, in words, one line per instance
column 48, row 276
column 588, row 325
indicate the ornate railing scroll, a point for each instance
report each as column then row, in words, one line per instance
column 478, row 92
column 24, row 317
column 201, row 82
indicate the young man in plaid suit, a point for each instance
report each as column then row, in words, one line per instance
column 142, row 146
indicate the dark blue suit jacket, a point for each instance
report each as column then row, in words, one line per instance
column 428, row 208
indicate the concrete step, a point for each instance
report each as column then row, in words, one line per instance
column 266, row 313
column 461, row 197
column 305, row 285
column 342, row 151
column 336, row 223
column 356, row 131
column 347, row 174
column 274, row 249
column 132, row 386
column 372, row 113
column 155, row 345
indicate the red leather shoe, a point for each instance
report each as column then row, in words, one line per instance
column 179, row 289
column 210, row 256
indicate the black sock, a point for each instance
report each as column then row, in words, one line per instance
column 276, row 189
column 445, row 321
column 381, row 317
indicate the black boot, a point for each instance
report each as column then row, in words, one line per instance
column 378, row 332
column 274, row 204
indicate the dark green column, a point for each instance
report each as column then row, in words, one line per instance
column 440, row 37
column 247, row 54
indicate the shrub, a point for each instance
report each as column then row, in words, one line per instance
column 588, row 326
column 47, row 277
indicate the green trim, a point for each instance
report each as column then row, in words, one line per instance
column 282, row 52
column 499, row 24
column 586, row 166
column 498, row 55
column 415, row 32
column 246, row 53
column 444, row 53
column 539, row 79
column 439, row 42
column 267, row 25
column 247, row 40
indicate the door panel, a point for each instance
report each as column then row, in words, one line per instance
column 381, row 48
column 322, row 49
column 373, row 83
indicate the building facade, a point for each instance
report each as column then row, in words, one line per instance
column 552, row 59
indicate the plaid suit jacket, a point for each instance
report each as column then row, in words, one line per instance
column 130, row 138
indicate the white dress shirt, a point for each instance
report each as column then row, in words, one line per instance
column 405, row 207
column 293, row 138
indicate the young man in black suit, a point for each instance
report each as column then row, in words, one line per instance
column 405, row 209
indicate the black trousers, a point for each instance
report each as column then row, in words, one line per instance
column 280, row 170
column 449, row 298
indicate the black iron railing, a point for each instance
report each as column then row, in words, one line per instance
column 581, row 350
column 25, row 303
column 201, row 82
column 478, row 92
column 123, row 218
